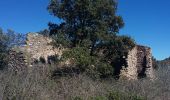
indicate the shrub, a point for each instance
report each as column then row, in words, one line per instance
column 80, row 55
column 92, row 65
column 8, row 41
column 3, row 50
column 100, row 70
column 113, row 96
column 99, row 98
column 121, row 96
column 77, row 98
column 3, row 60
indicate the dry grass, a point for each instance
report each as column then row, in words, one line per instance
column 35, row 83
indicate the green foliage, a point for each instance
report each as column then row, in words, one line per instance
column 84, row 19
column 90, row 64
column 100, row 70
column 80, row 55
column 77, row 98
column 3, row 50
column 116, row 47
column 114, row 96
column 8, row 40
column 99, row 98
column 121, row 96
column 89, row 30
column 44, row 32
column 3, row 60
column 14, row 39
column 59, row 40
column 105, row 70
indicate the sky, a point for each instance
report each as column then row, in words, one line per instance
column 147, row 21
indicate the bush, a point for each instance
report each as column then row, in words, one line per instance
column 100, row 70
column 77, row 98
column 3, row 50
column 121, row 96
column 8, row 41
column 3, row 60
column 114, row 96
column 99, row 98
column 80, row 55
column 92, row 65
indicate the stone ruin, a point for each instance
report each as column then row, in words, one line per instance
column 17, row 61
column 139, row 62
column 139, row 59
column 39, row 46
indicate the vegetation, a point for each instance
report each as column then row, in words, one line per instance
column 114, row 96
column 8, row 40
column 36, row 84
column 164, row 63
column 90, row 29
column 89, row 32
column 3, row 50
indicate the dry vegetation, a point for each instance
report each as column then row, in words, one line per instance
column 86, row 31
column 36, row 83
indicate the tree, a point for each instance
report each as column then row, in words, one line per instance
column 93, row 24
column 14, row 39
column 44, row 32
column 9, row 40
column 82, row 19
column 3, row 50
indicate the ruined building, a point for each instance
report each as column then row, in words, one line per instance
column 39, row 46
column 139, row 59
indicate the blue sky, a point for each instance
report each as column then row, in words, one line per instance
column 147, row 21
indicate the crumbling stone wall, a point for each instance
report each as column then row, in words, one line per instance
column 17, row 61
column 39, row 46
column 139, row 61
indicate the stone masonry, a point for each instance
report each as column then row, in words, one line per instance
column 139, row 61
column 17, row 61
column 39, row 46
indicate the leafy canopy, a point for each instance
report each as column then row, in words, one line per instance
column 95, row 20
column 90, row 28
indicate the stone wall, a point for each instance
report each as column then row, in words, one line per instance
column 139, row 61
column 17, row 61
column 39, row 46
